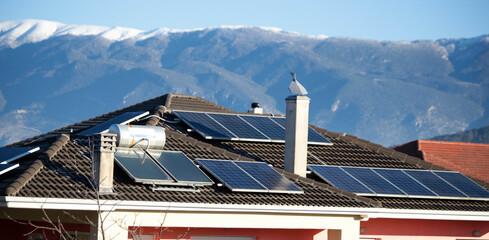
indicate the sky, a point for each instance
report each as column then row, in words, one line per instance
column 391, row 20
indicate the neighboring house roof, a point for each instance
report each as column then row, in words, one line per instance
column 471, row 159
column 62, row 168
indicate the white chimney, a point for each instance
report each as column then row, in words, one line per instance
column 297, row 115
column 103, row 148
column 255, row 108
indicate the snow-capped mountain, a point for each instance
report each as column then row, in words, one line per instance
column 53, row 74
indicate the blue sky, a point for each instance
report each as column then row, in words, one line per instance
column 369, row 19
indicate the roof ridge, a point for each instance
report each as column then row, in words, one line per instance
column 170, row 97
column 36, row 166
column 453, row 143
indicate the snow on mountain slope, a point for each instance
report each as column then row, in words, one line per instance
column 386, row 92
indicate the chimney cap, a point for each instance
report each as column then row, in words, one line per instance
column 255, row 105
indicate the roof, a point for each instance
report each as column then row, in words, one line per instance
column 471, row 159
column 62, row 168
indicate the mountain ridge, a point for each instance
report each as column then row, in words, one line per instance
column 386, row 92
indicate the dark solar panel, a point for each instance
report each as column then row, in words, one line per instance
column 179, row 167
column 243, row 127
column 124, row 118
column 235, row 178
column 266, row 126
column 10, row 154
column 139, row 166
column 339, row 178
column 373, row 181
column 268, row 177
column 5, row 168
column 406, row 183
column 205, row 125
column 434, row 183
column 463, row 184
column 238, row 126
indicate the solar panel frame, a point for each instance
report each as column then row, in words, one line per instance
column 10, row 154
column 374, row 181
column 179, row 167
column 7, row 167
column 268, row 177
column 463, row 184
column 123, row 118
column 138, row 165
column 339, row 178
column 435, row 183
column 232, row 176
column 205, row 125
column 259, row 128
column 405, row 182
column 239, row 127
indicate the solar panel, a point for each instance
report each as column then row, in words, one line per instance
column 268, row 177
column 5, row 168
column 400, row 182
column 139, row 166
column 124, row 118
column 265, row 125
column 179, row 167
column 10, row 154
column 463, row 184
column 435, row 183
column 339, row 178
column 235, row 178
column 242, row 127
column 205, row 125
column 404, row 182
column 238, row 126
column 373, row 181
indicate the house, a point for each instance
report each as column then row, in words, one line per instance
column 471, row 159
column 64, row 190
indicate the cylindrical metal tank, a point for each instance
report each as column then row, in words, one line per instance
column 136, row 136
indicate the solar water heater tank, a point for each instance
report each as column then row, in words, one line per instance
column 137, row 136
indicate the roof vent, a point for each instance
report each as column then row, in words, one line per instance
column 255, row 108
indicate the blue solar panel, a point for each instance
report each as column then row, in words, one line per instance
column 11, row 154
column 406, row 183
column 433, row 182
column 268, row 177
column 124, row 118
column 5, row 168
column 373, row 181
column 464, row 184
column 266, row 126
column 339, row 178
column 237, row 126
column 232, row 176
column 205, row 125
column 140, row 167
column 179, row 167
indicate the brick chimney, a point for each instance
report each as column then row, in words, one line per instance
column 297, row 117
column 103, row 148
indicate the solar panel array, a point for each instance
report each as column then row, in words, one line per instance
column 160, row 167
column 400, row 182
column 241, row 176
column 242, row 127
column 124, row 118
column 10, row 154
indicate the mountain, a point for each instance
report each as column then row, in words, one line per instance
column 53, row 74
column 478, row 135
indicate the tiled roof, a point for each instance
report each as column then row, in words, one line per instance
column 62, row 169
column 471, row 159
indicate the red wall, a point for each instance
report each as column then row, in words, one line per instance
column 259, row 234
column 389, row 229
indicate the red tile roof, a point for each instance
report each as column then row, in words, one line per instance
column 468, row 158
